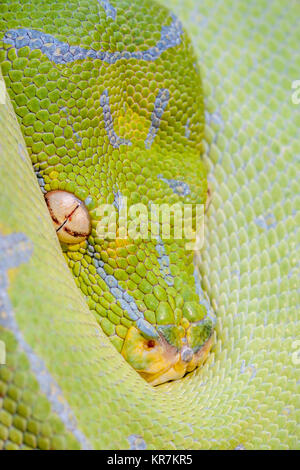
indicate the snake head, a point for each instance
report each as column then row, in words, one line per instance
column 170, row 342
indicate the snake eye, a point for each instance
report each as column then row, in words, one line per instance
column 70, row 217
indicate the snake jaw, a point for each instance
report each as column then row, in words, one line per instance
column 180, row 367
column 159, row 361
column 148, row 359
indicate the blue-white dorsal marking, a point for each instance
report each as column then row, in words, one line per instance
column 63, row 53
column 164, row 262
column 179, row 187
column 110, row 11
column 160, row 104
column 126, row 301
column 114, row 139
column 163, row 258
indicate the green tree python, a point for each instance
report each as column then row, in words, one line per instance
column 105, row 101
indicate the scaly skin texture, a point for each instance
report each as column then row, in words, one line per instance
column 107, row 113
column 65, row 385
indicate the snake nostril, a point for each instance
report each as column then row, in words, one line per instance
column 69, row 215
column 186, row 354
